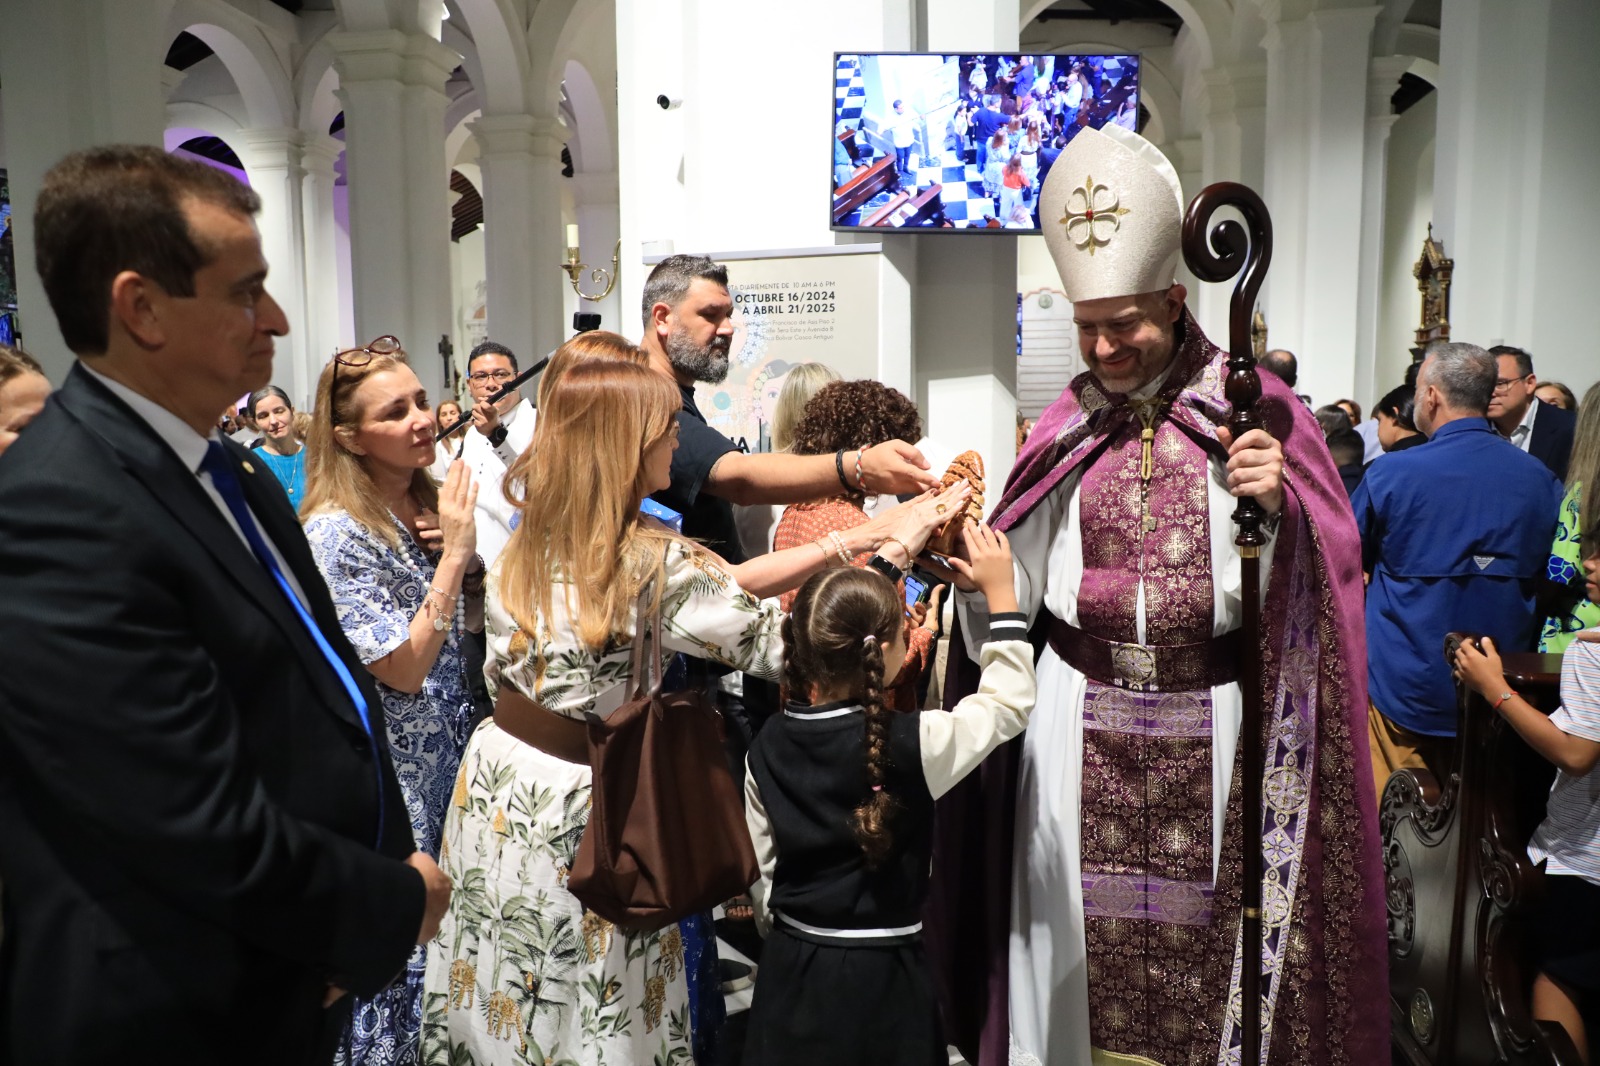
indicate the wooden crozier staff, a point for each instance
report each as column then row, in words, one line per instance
column 1245, row 251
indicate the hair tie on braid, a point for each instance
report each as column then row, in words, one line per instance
column 877, row 788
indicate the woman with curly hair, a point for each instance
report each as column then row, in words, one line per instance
column 852, row 414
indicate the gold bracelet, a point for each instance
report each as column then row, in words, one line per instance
column 827, row 560
column 909, row 556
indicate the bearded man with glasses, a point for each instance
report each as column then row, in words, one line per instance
column 500, row 432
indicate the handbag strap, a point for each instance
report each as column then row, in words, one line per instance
column 640, row 635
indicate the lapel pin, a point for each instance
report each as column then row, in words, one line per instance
column 248, row 469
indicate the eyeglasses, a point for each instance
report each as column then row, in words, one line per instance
column 481, row 376
column 356, row 358
column 1502, row 384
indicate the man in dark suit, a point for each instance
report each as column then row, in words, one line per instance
column 1541, row 429
column 202, row 840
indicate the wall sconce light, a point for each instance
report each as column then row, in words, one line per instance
column 597, row 275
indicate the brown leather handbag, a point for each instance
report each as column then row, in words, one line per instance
column 666, row 836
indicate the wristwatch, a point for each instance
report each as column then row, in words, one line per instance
column 497, row 436
column 886, row 568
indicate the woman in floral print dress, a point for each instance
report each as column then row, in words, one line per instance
column 520, row 972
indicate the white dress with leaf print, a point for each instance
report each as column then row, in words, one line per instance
column 520, row 973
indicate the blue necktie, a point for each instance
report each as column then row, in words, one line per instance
column 216, row 464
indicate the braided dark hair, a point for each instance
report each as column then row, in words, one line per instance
column 876, row 810
column 793, row 679
column 835, row 634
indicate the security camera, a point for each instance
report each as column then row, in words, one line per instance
column 669, row 103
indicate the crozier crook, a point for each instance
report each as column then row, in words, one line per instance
column 1229, row 250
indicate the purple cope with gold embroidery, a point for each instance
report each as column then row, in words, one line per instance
column 1325, row 997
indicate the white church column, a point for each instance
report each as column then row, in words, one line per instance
column 1284, row 170
column 1232, row 149
column 1384, row 80
column 1514, row 177
column 392, row 85
column 272, row 159
column 594, row 197
column 519, row 157
column 323, row 283
column 965, row 296
column 1317, row 191
column 506, row 160
column 77, row 73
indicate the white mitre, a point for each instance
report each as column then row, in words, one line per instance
column 1112, row 214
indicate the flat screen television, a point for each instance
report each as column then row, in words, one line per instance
column 932, row 142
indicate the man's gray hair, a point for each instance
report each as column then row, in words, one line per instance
column 1464, row 373
column 669, row 282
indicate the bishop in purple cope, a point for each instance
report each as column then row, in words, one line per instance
column 1085, row 904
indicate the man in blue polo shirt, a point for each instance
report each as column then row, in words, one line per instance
column 1454, row 534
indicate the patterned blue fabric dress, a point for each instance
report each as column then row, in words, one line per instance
column 377, row 590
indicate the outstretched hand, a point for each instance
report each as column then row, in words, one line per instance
column 987, row 567
column 896, row 467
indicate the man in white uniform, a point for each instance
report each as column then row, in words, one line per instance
column 1101, row 926
column 500, row 432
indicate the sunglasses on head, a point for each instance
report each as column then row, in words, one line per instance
column 356, row 358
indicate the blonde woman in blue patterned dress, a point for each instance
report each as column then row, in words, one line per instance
column 520, row 972
column 397, row 553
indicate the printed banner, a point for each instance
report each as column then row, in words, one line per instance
column 788, row 311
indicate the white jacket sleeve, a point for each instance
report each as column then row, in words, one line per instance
column 954, row 742
column 755, row 817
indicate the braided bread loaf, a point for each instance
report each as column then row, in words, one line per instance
column 968, row 467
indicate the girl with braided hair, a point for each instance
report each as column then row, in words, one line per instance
column 839, row 800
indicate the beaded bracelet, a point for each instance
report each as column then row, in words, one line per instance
column 838, row 546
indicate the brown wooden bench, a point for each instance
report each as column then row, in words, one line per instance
column 927, row 206
column 878, row 178
column 881, row 215
column 1462, row 893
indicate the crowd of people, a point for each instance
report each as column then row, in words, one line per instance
column 1010, row 120
column 296, row 759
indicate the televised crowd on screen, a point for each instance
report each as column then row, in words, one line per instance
column 528, row 553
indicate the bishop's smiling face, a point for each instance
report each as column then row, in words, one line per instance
column 1127, row 341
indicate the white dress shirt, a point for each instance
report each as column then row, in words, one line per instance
column 190, row 448
column 488, row 465
column 1522, row 434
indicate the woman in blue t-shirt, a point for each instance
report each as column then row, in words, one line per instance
column 280, row 446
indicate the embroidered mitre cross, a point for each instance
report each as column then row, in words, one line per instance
column 1094, row 214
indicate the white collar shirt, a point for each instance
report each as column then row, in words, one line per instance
column 1522, row 434
column 190, row 448
column 488, row 465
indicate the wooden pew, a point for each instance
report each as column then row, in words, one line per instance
column 848, row 139
column 928, row 206
column 879, row 177
column 880, row 217
column 915, row 212
column 1462, row 893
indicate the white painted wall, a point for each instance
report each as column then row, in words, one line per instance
column 1515, row 177
column 1409, row 210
